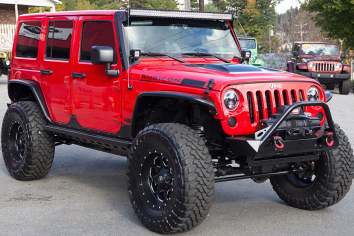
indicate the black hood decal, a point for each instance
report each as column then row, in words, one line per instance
column 233, row 68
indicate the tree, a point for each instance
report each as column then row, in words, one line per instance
column 335, row 18
column 210, row 7
column 162, row 4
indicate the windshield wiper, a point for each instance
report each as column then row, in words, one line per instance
column 156, row 54
column 206, row 54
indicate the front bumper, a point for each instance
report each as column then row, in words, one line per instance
column 326, row 77
column 264, row 147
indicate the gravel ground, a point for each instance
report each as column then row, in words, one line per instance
column 85, row 193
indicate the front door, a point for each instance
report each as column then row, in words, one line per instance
column 57, row 65
column 96, row 96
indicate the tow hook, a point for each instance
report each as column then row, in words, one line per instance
column 278, row 144
column 327, row 136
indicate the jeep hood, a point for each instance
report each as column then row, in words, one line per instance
column 223, row 74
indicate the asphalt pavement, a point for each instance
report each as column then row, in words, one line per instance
column 85, row 193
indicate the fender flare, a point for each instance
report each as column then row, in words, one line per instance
column 193, row 98
column 36, row 90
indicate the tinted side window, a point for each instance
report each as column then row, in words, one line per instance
column 28, row 39
column 96, row 33
column 59, row 39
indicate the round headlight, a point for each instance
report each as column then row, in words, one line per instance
column 339, row 66
column 231, row 99
column 313, row 94
column 5, row 54
column 251, row 59
column 311, row 64
column 7, row 62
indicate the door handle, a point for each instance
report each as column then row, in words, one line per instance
column 78, row 75
column 46, row 72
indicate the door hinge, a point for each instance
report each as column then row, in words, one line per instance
column 116, row 85
column 68, row 80
column 117, row 117
column 68, row 109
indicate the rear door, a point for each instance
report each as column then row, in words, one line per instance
column 56, row 66
column 96, row 96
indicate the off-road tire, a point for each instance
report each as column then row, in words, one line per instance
column 333, row 181
column 35, row 160
column 344, row 87
column 192, row 179
column 330, row 86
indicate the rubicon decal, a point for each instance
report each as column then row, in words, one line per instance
column 158, row 78
column 275, row 86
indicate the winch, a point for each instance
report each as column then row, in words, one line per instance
column 296, row 125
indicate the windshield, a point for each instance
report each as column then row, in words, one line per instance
column 177, row 36
column 320, row 49
column 246, row 43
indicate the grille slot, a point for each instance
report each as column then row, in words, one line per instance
column 285, row 98
column 260, row 105
column 269, row 104
column 251, row 107
column 293, row 97
column 301, row 95
column 276, row 98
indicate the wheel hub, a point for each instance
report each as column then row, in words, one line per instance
column 157, row 179
column 17, row 141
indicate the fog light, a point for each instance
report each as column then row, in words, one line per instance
column 232, row 121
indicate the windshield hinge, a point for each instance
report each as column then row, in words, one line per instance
column 116, row 85
column 209, row 86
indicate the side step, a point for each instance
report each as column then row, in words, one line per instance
column 106, row 143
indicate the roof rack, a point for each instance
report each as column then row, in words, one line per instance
column 180, row 14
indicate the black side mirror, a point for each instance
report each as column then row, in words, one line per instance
column 260, row 47
column 329, row 96
column 104, row 55
column 342, row 56
column 296, row 53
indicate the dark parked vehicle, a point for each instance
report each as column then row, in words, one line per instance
column 321, row 61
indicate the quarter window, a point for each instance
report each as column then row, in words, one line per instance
column 59, row 39
column 28, row 39
column 96, row 33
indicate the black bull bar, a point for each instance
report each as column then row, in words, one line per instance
column 263, row 146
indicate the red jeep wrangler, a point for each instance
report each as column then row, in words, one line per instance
column 323, row 62
column 167, row 89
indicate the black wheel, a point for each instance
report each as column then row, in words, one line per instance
column 323, row 185
column 170, row 178
column 27, row 149
column 344, row 87
column 330, row 86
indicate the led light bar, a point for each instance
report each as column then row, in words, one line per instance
column 180, row 14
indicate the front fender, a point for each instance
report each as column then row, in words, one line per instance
column 199, row 99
